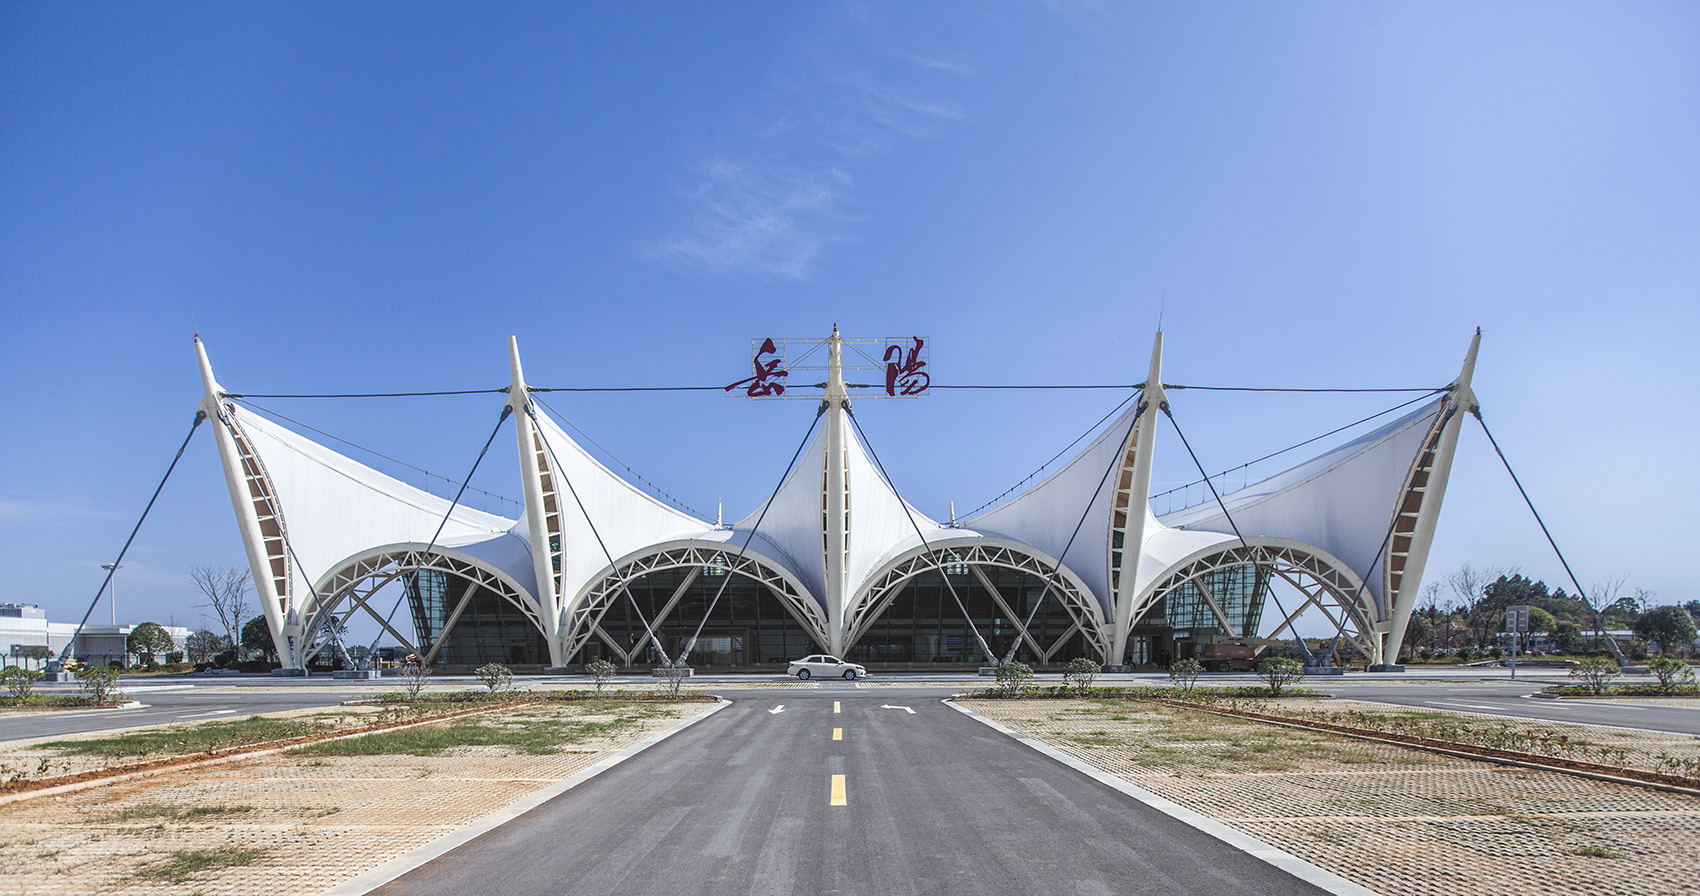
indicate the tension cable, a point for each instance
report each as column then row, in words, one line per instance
column 991, row 657
column 413, row 574
column 1056, row 571
column 1225, row 514
column 727, row 580
column 1476, row 411
column 648, row 629
column 656, row 488
column 200, row 416
column 1295, row 447
column 1066, row 449
column 1167, row 386
column 401, row 463
column 371, row 394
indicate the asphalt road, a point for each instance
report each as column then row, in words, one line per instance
column 1515, row 699
column 1491, row 691
column 932, row 803
column 168, row 701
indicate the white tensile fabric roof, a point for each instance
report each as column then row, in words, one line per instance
column 334, row 508
column 626, row 518
column 1045, row 515
column 1341, row 501
column 793, row 521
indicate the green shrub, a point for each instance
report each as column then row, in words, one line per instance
column 1671, row 672
column 1280, row 672
column 1595, row 671
column 1014, row 679
column 1080, row 673
column 19, row 682
column 1185, row 673
column 100, row 683
column 495, row 676
column 601, row 670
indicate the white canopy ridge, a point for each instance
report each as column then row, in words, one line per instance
column 335, row 507
column 610, row 514
column 1341, row 501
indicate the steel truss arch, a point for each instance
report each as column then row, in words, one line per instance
column 874, row 599
column 1311, row 571
column 582, row 618
column 356, row 579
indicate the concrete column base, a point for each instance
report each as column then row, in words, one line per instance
column 289, row 673
column 1386, row 667
column 559, row 670
column 1118, row 669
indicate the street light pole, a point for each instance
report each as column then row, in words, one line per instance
column 113, row 597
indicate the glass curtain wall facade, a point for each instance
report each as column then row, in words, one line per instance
column 489, row 629
column 923, row 624
column 1182, row 620
column 749, row 626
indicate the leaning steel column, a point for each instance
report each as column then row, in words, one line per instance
column 531, row 456
column 1138, row 507
column 1462, row 400
column 284, row 627
column 837, row 528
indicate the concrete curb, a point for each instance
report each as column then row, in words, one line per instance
column 1297, row 867
column 368, row 881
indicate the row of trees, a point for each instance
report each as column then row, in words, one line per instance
column 1465, row 611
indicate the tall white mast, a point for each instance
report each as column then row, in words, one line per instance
column 835, row 501
column 1460, row 404
column 258, row 518
column 541, row 507
column 1138, row 504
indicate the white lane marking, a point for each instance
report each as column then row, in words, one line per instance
column 141, row 689
column 904, row 708
column 1466, row 705
column 776, row 710
column 216, row 712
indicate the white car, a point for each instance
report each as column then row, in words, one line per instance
column 826, row 666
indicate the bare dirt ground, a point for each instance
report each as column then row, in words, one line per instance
column 297, row 822
column 1399, row 821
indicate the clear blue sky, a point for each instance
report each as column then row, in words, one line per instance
column 372, row 197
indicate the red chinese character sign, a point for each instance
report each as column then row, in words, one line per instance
column 906, row 372
column 769, row 378
column 893, row 367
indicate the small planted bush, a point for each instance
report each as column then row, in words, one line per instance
column 1280, row 672
column 1014, row 679
column 1595, row 671
column 602, row 671
column 495, row 676
column 1185, row 673
column 1671, row 672
column 99, row 683
column 1080, row 673
column 19, row 682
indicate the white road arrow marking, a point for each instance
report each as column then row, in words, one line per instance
column 904, row 708
column 776, row 710
column 216, row 712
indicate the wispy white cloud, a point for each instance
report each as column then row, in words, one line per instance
column 759, row 220
column 757, row 210
column 16, row 510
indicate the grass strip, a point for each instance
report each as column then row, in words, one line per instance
column 178, row 866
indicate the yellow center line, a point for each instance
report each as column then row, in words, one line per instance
column 835, row 707
column 838, row 734
column 838, row 798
